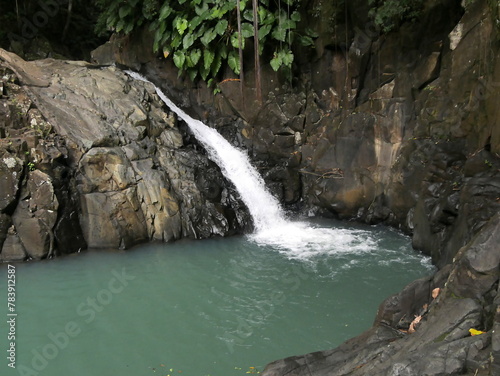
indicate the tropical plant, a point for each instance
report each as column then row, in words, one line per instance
column 389, row 14
column 200, row 36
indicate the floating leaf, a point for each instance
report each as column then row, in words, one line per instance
column 475, row 332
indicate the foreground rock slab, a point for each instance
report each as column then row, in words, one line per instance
column 107, row 166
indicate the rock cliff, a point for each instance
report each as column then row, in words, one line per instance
column 90, row 158
column 401, row 128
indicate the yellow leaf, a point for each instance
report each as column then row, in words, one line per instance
column 166, row 53
column 475, row 332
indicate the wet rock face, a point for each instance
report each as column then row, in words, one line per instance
column 108, row 167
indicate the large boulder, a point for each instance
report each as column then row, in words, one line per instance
column 116, row 165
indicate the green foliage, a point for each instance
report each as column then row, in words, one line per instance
column 201, row 36
column 389, row 14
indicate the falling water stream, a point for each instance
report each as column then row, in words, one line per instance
column 295, row 239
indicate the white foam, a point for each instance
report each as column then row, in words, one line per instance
column 300, row 240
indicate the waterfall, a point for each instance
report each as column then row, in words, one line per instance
column 235, row 165
column 295, row 239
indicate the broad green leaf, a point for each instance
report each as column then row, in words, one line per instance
column 179, row 59
column 209, row 36
column 200, row 11
column 279, row 34
column 195, row 22
column 128, row 28
column 216, row 65
column 228, row 6
column 162, row 27
column 187, row 41
column 288, row 24
column 295, row 16
column 208, row 58
column 276, row 62
column 264, row 31
column 310, row 32
column 246, row 30
column 233, row 60
column 201, row 30
column 248, row 15
column 204, row 72
column 221, row 27
column 165, row 37
column 153, row 25
column 181, row 1
column 112, row 20
column 215, row 13
column 235, row 41
column 222, row 51
column 176, row 42
column 195, row 56
column 192, row 74
column 306, row 41
column 287, row 58
column 181, row 24
column 124, row 11
column 269, row 20
column 165, row 11
column 262, row 14
column 120, row 25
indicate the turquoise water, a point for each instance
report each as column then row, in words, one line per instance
column 194, row 308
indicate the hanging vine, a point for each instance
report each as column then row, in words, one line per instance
column 201, row 36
